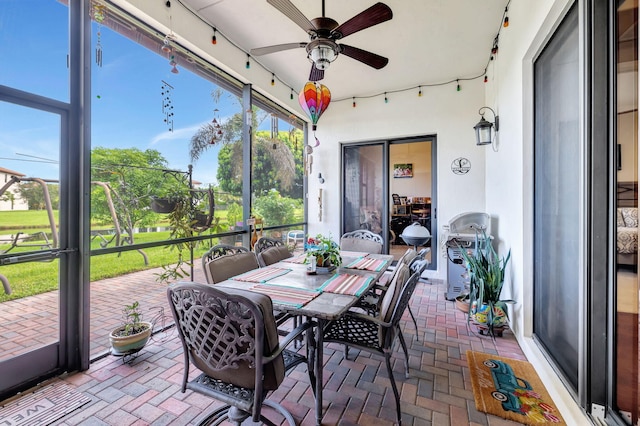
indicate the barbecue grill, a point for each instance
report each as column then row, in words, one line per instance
column 415, row 235
column 465, row 230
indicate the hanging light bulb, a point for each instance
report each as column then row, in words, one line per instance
column 354, row 102
column 214, row 40
column 506, row 18
column 273, row 79
column 386, row 100
column 291, row 95
column 486, row 79
column 458, row 85
column 247, row 65
column 419, row 91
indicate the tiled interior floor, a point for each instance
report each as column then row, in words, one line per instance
column 146, row 391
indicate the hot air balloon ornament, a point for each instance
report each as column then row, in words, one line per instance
column 314, row 99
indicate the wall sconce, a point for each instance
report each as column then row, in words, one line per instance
column 320, row 178
column 483, row 128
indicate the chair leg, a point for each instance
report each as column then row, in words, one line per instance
column 415, row 323
column 406, row 354
column 387, row 358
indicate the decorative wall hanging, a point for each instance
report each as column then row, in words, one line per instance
column 460, row 166
column 167, row 105
column 314, row 99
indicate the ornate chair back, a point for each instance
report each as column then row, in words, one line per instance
column 362, row 240
column 222, row 262
column 269, row 251
column 249, row 364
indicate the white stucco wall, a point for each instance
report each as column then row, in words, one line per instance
column 442, row 111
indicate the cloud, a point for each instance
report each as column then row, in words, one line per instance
column 181, row 134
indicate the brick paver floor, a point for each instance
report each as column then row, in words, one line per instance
column 146, row 391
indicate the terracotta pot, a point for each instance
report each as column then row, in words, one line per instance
column 462, row 303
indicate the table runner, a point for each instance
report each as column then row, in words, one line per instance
column 350, row 284
column 367, row 264
column 262, row 275
column 296, row 259
column 286, row 295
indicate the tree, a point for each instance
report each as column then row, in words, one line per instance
column 34, row 194
column 277, row 163
column 131, row 174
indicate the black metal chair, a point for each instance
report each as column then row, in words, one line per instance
column 230, row 335
column 362, row 240
column 270, row 250
column 377, row 334
column 222, row 262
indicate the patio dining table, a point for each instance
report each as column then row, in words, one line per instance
column 319, row 297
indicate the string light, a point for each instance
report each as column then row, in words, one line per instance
column 386, row 100
column 273, row 79
column 506, row 18
column 419, row 91
column 214, row 40
column 486, row 79
column 168, row 3
column 458, row 85
column 291, row 95
column 354, row 102
column 248, row 64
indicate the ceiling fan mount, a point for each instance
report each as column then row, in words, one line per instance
column 322, row 49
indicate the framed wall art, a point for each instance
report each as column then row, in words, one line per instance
column 403, row 170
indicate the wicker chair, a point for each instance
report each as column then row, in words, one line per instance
column 270, row 251
column 377, row 334
column 362, row 240
column 252, row 361
column 222, row 262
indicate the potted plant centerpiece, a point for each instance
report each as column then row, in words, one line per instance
column 486, row 273
column 324, row 252
column 132, row 334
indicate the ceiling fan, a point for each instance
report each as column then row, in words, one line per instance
column 322, row 49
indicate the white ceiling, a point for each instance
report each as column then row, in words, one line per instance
column 426, row 42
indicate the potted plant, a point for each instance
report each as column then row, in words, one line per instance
column 486, row 273
column 130, row 336
column 167, row 198
column 324, row 252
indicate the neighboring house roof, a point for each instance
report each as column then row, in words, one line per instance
column 10, row 172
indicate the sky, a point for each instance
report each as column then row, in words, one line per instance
column 126, row 94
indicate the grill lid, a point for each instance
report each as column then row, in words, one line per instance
column 469, row 223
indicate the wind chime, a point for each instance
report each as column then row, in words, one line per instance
column 167, row 105
column 99, row 13
column 274, row 131
column 216, row 128
column 171, row 54
column 292, row 129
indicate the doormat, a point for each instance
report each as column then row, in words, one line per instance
column 41, row 407
column 510, row 389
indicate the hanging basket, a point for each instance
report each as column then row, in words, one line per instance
column 163, row 205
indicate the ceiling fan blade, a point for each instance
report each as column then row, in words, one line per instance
column 276, row 48
column 292, row 12
column 375, row 15
column 371, row 59
column 316, row 74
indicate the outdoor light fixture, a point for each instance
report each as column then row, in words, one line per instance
column 483, row 128
column 322, row 53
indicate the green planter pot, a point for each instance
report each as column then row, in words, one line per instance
column 123, row 345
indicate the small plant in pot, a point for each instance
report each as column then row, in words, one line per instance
column 487, row 272
column 324, row 251
column 130, row 336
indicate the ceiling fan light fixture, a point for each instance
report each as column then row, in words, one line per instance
column 322, row 53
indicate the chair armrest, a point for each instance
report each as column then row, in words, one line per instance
column 286, row 341
column 369, row 318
